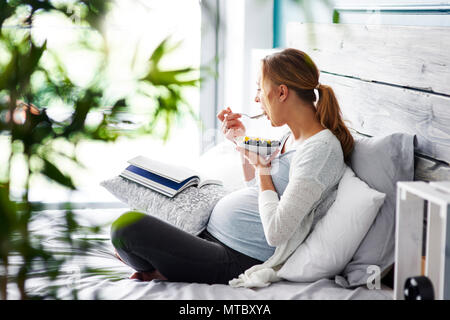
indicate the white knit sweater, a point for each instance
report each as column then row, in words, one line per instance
column 315, row 171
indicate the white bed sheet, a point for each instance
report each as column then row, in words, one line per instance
column 99, row 286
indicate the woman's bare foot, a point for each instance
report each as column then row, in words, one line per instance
column 148, row 276
column 143, row 276
column 117, row 256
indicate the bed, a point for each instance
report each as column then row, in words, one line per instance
column 387, row 79
column 115, row 285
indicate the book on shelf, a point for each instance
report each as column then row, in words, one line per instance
column 165, row 178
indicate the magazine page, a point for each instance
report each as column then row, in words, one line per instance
column 208, row 173
column 166, row 170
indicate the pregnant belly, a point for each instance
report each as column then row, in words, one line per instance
column 240, row 206
column 236, row 222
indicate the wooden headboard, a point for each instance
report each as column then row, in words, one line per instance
column 388, row 79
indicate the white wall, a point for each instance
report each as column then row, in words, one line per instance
column 392, row 12
column 399, row 12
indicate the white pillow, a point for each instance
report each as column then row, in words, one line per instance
column 335, row 238
column 223, row 162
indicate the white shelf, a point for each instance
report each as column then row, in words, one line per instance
column 411, row 198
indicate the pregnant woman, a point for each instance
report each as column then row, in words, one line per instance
column 254, row 230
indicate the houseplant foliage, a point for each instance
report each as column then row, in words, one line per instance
column 34, row 81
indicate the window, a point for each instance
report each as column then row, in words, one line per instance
column 133, row 29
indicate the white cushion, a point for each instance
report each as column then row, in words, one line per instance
column 335, row 238
column 223, row 162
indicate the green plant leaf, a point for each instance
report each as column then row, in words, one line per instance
column 88, row 101
column 28, row 63
column 166, row 78
column 163, row 49
column 158, row 77
column 5, row 11
column 336, row 16
column 51, row 171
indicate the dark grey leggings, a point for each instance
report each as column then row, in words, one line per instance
column 146, row 243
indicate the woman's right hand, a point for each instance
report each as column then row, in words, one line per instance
column 232, row 127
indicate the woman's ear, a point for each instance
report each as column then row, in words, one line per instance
column 283, row 92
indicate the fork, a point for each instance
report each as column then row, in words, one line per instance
column 252, row 117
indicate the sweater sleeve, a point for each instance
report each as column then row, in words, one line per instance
column 282, row 217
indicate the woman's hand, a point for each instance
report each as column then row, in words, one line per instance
column 232, row 127
column 260, row 163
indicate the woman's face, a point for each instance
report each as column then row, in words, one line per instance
column 265, row 96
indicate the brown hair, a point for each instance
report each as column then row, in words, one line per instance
column 297, row 71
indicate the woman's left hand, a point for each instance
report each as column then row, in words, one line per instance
column 256, row 160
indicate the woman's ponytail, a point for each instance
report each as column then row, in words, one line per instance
column 329, row 114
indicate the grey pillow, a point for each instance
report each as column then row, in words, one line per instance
column 189, row 210
column 380, row 162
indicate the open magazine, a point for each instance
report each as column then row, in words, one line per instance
column 164, row 178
